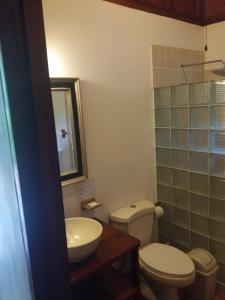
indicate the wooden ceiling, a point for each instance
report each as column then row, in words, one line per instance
column 200, row 12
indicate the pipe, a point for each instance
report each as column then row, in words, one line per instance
column 203, row 63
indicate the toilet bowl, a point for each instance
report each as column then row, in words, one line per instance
column 168, row 266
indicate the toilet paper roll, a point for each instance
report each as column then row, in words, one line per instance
column 159, row 212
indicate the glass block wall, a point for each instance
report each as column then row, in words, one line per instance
column 190, row 156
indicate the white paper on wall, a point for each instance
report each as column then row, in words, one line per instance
column 86, row 189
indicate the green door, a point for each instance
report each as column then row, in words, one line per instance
column 15, row 275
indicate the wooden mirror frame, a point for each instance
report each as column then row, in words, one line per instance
column 73, row 84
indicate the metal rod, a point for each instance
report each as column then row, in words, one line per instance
column 203, row 63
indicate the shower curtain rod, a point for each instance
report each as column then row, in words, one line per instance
column 203, row 63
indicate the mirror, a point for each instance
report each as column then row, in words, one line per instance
column 69, row 129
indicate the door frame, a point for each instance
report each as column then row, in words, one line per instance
column 24, row 54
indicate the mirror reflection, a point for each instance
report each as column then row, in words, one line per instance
column 69, row 129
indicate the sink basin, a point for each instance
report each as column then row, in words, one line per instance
column 83, row 236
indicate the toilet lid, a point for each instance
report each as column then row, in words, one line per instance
column 166, row 260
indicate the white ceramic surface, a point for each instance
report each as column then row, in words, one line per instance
column 168, row 266
column 83, row 236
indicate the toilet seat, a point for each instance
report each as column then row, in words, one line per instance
column 166, row 264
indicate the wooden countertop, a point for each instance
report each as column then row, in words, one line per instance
column 112, row 246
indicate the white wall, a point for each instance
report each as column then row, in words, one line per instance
column 216, row 44
column 108, row 47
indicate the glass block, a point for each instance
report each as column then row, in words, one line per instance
column 199, row 117
column 165, row 230
column 179, row 95
column 217, row 165
column 162, row 137
column 181, row 236
column 199, row 162
column 180, row 199
column 164, row 193
column 167, row 212
column 184, row 248
column 217, row 210
column 218, row 250
column 218, row 117
column 217, row 188
column 217, row 230
column 199, row 184
column 199, row 140
column 199, row 93
column 217, row 142
column 179, row 117
column 164, row 175
column 180, row 159
column 163, row 240
column 199, row 241
column 162, row 97
column 181, row 217
column 199, row 204
column 163, row 157
column 221, row 273
column 180, row 138
column 218, row 92
column 180, row 179
column 162, row 117
column 199, row 224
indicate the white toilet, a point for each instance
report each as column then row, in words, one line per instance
column 167, row 265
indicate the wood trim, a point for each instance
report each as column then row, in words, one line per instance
column 202, row 8
column 214, row 11
column 214, row 19
column 70, row 84
column 201, row 20
column 37, row 50
column 25, row 62
column 151, row 8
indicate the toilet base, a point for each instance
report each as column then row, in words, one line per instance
column 153, row 290
column 170, row 293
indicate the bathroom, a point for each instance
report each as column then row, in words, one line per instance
column 120, row 55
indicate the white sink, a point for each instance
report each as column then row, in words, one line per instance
column 83, row 236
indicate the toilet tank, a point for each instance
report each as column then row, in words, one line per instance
column 136, row 220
